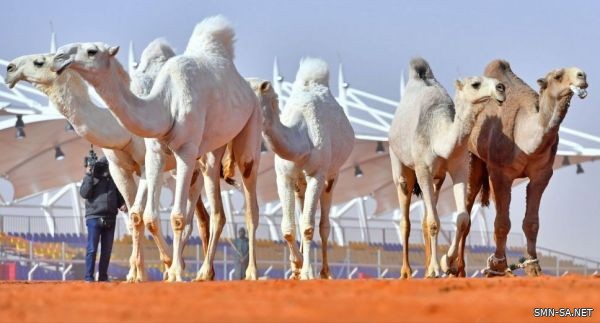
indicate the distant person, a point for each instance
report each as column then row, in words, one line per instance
column 102, row 203
column 241, row 246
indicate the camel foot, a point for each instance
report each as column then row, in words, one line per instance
column 405, row 272
column 532, row 268
column 325, row 274
column 205, row 273
column 305, row 274
column 174, row 275
column 497, row 267
column 296, row 265
column 433, row 271
column 136, row 274
column 251, row 273
column 450, row 268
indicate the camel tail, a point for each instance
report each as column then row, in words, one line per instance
column 417, row 190
column 213, row 35
column 228, row 166
column 485, row 188
column 312, row 70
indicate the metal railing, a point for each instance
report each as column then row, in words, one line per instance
column 356, row 260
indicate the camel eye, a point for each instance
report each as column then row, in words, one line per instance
column 476, row 85
column 38, row 63
column 92, row 52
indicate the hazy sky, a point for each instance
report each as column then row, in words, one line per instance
column 375, row 40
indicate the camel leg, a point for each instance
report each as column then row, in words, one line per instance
column 194, row 196
column 531, row 222
column 212, row 187
column 497, row 264
column 324, row 226
column 155, row 161
column 185, row 157
column 477, row 176
column 285, row 188
column 126, row 185
column 300, row 192
column 202, row 220
column 424, row 177
column 314, row 188
column 460, row 176
column 249, row 175
column 246, row 149
column 404, row 179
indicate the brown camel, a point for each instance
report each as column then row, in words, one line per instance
column 519, row 140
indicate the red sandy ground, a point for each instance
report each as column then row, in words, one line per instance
column 458, row 300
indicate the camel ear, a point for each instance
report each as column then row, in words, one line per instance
column 542, row 83
column 112, row 51
column 458, row 84
column 265, row 86
column 558, row 74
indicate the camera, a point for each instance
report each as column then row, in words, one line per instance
column 91, row 159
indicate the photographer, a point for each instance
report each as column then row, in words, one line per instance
column 102, row 203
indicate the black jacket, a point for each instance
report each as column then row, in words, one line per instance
column 102, row 198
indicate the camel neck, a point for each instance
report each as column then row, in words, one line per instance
column 145, row 117
column 287, row 142
column 553, row 111
column 97, row 125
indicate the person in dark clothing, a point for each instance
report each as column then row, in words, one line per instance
column 241, row 254
column 102, row 203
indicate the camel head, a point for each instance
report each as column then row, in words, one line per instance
column 154, row 56
column 84, row 57
column 479, row 89
column 35, row 69
column 267, row 98
column 565, row 81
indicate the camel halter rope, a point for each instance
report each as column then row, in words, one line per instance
column 521, row 264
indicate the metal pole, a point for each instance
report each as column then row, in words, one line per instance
column 197, row 257
column 284, row 261
column 63, row 255
column 315, row 261
column 378, row 262
column 348, row 260
column 225, row 263
column 557, row 267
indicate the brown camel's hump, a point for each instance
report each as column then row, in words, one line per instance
column 518, row 93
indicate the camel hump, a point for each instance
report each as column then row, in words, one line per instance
column 159, row 47
column 497, row 67
column 419, row 69
column 213, row 34
column 313, row 70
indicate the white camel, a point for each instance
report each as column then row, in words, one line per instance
column 312, row 140
column 198, row 103
column 427, row 139
column 124, row 151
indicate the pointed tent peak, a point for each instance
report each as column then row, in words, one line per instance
column 53, row 42
column 341, row 81
column 276, row 75
column 402, row 83
column 132, row 64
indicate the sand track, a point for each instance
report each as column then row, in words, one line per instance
column 499, row 299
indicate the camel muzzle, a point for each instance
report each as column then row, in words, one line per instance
column 580, row 91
